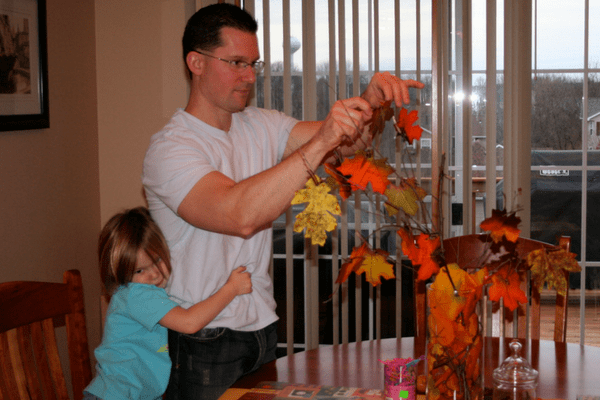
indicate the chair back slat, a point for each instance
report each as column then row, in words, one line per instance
column 8, row 383
column 30, row 364
column 19, row 378
column 562, row 302
column 39, row 351
column 536, row 315
column 79, row 355
column 56, row 371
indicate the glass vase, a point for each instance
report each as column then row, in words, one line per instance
column 454, row 342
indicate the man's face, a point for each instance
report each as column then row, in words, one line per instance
column 226, row 87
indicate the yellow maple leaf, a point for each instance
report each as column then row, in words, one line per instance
column 452, row 300
column 406, row 197
column 317, row 218
column 375, row 266
column 547, row 267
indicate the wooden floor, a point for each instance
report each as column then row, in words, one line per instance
column 592, row 319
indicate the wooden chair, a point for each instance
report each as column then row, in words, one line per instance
column 466, row 250
column 30, row 367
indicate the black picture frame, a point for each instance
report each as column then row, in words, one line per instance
column 23, row 65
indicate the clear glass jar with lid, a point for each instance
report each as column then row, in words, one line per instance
column 515, row 379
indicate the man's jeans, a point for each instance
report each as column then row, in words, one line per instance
column 208, row 362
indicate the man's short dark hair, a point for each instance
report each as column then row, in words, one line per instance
column 203, row 29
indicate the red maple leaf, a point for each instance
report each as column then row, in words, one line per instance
column 363, row 170
column 405, row 125
column 428, row 246
column 502, row 224
column 506, row 285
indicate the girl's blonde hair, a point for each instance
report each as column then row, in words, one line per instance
column 123, row 236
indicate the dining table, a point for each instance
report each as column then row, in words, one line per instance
column 566, row 370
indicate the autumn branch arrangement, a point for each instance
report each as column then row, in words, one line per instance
column 454, row 329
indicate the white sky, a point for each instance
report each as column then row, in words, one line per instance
column 560, row 32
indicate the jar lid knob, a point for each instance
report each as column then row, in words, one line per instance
column 516, row 347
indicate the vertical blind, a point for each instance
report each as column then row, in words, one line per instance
column 351, row 64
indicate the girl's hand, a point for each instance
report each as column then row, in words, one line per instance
column 240, row 280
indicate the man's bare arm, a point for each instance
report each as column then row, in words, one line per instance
column 217, row 203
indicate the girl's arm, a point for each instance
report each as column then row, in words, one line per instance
column 196, row 317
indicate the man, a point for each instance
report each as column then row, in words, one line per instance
column 218, row 175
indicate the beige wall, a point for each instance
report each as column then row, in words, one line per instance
column 115, row 77
column 141, row 82
column 49, row 191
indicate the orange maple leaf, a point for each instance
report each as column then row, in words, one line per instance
column 452, row 299
column 373, row 263
column 449, row 279
column 405, row 125
column 363, row 170
column 506, row 285
column 501, row 224
column 440, row 327
column 353, row 264
column 409, row 247
column 472, row 289
column 419, row 250
column 474, row 358
column 375, row 267
column 380, row 116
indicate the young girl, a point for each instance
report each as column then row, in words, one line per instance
column 133, row 360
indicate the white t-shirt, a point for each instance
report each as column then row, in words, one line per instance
column 183, row 152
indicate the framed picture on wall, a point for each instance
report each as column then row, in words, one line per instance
column 23, row 65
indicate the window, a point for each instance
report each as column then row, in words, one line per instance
column 318, row 51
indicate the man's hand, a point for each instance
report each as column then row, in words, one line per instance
column 344, row 124
column 385, row 86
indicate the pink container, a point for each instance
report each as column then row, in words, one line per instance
column 400, row 378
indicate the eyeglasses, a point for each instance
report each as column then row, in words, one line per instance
column 238, row 65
